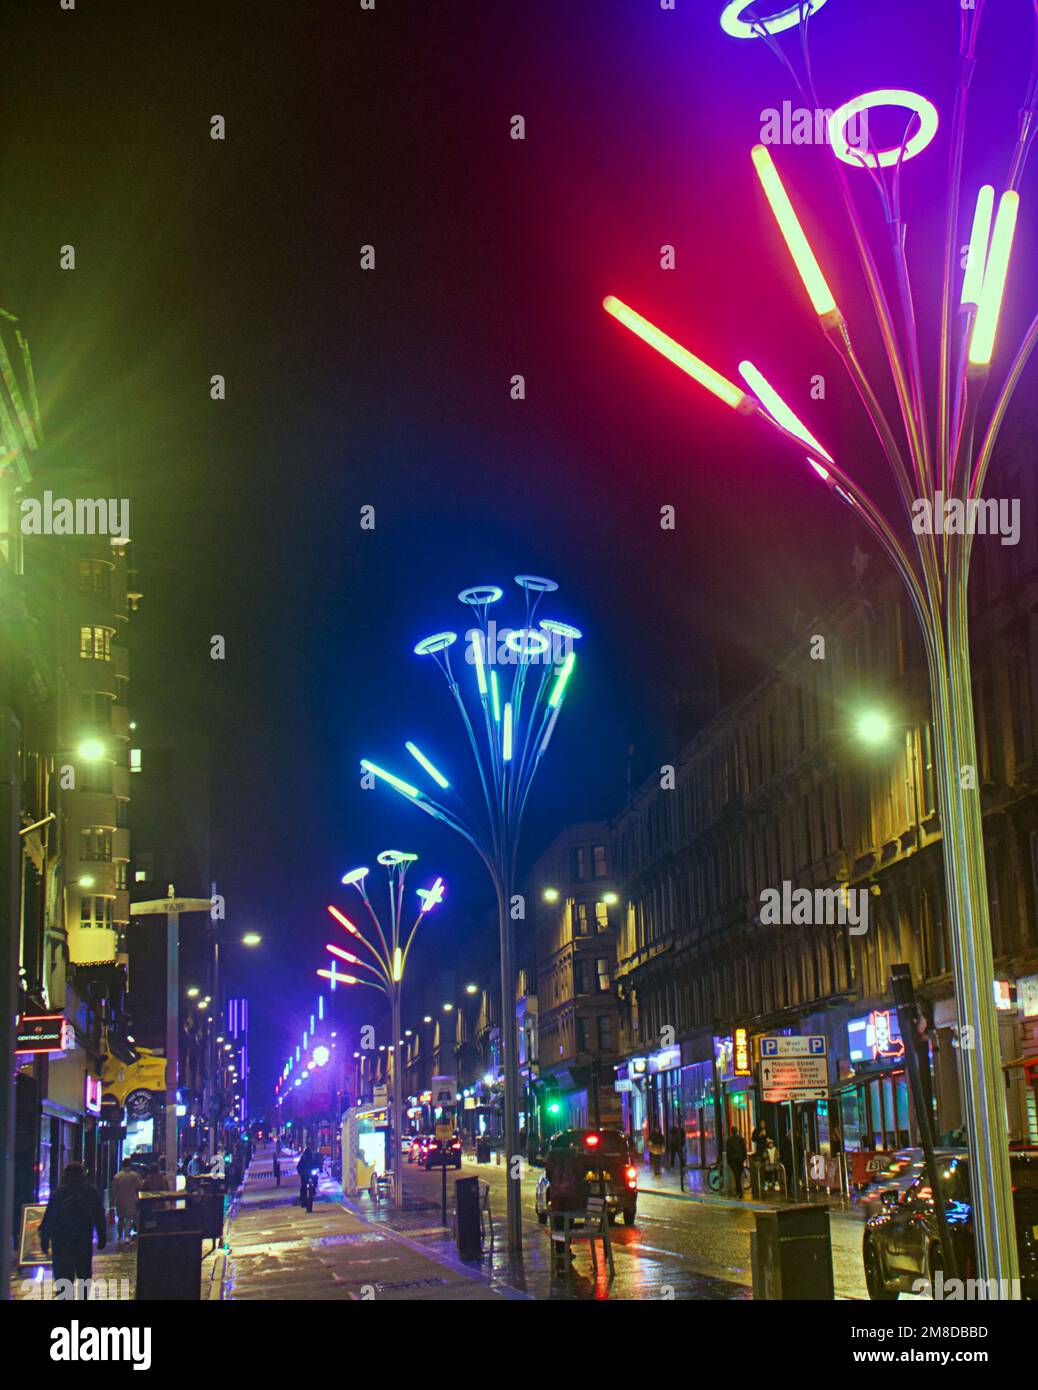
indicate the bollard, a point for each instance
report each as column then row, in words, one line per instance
column 469, row 1233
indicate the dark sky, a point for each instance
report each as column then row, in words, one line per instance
column 391, row 387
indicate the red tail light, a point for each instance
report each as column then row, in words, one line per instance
column 632, row 1178
column 592, row 1141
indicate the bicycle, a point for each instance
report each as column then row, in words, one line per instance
column 310, row 1189
column 715, row 1176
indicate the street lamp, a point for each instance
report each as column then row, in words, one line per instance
column 390, row 963
column 948, row 461
column 873, row 727
column 520, row 679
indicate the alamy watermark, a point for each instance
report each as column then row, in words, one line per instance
column 512, row 646
column 805, row 125
column 806, row 907
column 80, row 516
column 981, row 1290
column 979, row 516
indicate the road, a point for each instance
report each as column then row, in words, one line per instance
column 680, row 1247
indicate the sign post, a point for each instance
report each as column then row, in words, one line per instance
column 172, row 907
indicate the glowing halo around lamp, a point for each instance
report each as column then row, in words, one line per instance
column 886, row 96
column 561, row 629
column 436, row 643
column 536, row 583
column 732, row 21
column 355, row 876
column 527, row 641
column 389, row 857
column 479, row 594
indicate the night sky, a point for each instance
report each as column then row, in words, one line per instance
column 391, row 387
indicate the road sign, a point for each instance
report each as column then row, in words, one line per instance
column 792, row 1047
column 169, row 905
column 794, row 1078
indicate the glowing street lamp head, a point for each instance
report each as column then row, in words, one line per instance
column 389, row 858
column 91, row 750
column 506, row 734
column 976, row 260
column 251, row 938
column 982, row 341
column 479, row 595
column 883, row 159
column 561, row 679
column 355, row 876
column 397, row 782
column 527, row 642
column 343, row 921
column 495, row 698
column 810, row 271
column 438, row 642
column 557, row 629
column 873, row 727
column 777, row 407
column 732, row 21
column 551, row 895
column 693, row 366
column 431, row 896
column 536, row 583
column 423, row 761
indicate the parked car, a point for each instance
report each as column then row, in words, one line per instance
column 610, row 1159
column 442, row 1153
column 901, row 1244
column 897, row 1175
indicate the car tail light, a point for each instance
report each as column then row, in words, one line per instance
column 631, row 1175
column 592, row 1141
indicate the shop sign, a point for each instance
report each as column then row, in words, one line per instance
column 1003, row 995
column 665, row 1059
column 875, row 1037
column 139, row 1105
column 1027, row 996
column 741, row 1060
column 92, row 1095
column 44, row 1033
column 724, row 1058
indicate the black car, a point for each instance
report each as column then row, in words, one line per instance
column 606, row 1157
column 441, row 1153
column 901, row 1247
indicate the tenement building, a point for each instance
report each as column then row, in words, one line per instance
column 822, row 777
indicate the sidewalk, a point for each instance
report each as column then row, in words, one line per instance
column 697, row 1189
column 277, row 1250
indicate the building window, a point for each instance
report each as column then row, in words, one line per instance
column 581, row 984
column 601, row 916
column 135, row 760
column 120, row 876
column 583, row 928
column 122, row 813
column 583, row 1035
column 95, row 643
column 96, row 708
column 605, row 1033
column 95, row 777
column 604, row 981
column 580, row 863
column 95, row 845
column 599, row 857
column 96, row 912
column 95, row 577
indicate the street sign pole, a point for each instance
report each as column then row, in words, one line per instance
column 172, row 1042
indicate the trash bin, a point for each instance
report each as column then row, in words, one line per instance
column 169, row 1248
column 466, row 1208
column 793, row 1255
column 208, row 1193
column 483, row 1149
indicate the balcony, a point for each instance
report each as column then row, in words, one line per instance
column 120, row 661
column 88, row 808
column 120, row 722
column 92, row 945
column 92, row 675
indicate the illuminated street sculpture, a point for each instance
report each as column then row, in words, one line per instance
column 938, row 453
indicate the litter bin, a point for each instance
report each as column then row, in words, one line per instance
column 466, row 1208
column 208, row 1193
column 793, row 1255
column 483, row 1149
column 169, row 1248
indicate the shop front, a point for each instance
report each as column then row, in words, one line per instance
column 699, row 1100
column 873, row 1106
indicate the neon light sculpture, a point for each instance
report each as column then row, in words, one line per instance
column 931, row 451
column 390, row 958
column 509, row 707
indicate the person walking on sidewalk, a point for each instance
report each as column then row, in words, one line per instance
column 154, row 1180
column 657, row 1148
column 74, row 1213
column 277, row 1168
column 305, row 1168
column 735, row 1153
column 677, row 1147
column 124, row 1197
column 761, row 1140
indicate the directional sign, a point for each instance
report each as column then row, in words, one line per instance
column 794, row 1078
column 169, row 905
column 792, row 1047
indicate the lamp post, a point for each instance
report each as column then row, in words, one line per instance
column 391, row 960
column 521, row 676
column 939, row 459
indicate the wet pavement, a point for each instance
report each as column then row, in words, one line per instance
column 684, row 1246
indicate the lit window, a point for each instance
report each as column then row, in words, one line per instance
column 601, row 916
column 603, row 974
column 95, row 845
column 95, row 577
column 95, row 643
column 95, row 912
column 598, row 851
column 140, row 876
column 135, row 760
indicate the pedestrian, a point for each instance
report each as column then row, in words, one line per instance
column 124, row 1198
column 196, row 1165
column 567, row 1192
column 277, row 1169
column 761, row 1141
column 305, row 1167
column 735, row 1153
column 677, row 1147
column 657, row 1148
column 74, row 1213
column 154, row 1180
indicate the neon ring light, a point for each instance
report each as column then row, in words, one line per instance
column 732, row 21
column 480, row 594
column 925, row 110
column 527, row 641
column 536, row 583
column 435, row 643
